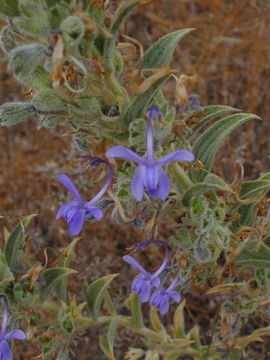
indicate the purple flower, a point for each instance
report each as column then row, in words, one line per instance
column 76, row 212
column 5, row 352
column 161, row 297
column 150, row 175
column 145, row 281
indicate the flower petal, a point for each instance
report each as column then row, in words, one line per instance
column 76, row 223
column 124, row 153
column 62, row 210
column 5, row 351
column 155, row 298
column 164, row 305
column 164, row 184
column 180, row 155
column 142, row 288
column 66, row 181
column 129, row 259
column 175, row 296
column 96, row 212
column 16, row 334
column 137, row 183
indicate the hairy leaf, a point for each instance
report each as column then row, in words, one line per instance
column 12, row 113
column 141, row 101
column 14, row 242
column 207, row 145
column 212, row 111
column 51, row 278
column 106, row 342
column 135, row 306
column 257, row 259
column 118, row 20
column 96, row 291
column 61, row 288
column 162, row 51
column 211, row 182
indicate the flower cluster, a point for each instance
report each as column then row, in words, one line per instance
column 149, row 175
column 5, row 352
column 77, row 211
column 145, row 282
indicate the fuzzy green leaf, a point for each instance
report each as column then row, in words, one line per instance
column 9, row 8
column 24, row 59
column 61, row 288
column 259, row 259
column 255, row 187
column 13, row 113
column 155, row 320
column 179, row 321
column 251, row 189
column 162, row 51
column 135, row 306
column 6, row 275
column 106, row 342
column 7, row 39
column 207, row 145
column 213, row 111
column 141, row 101
column 14, row 242
column 51, row 278
column 211, row 182
column 96, row 291
column 46, row 100
column 120, row 16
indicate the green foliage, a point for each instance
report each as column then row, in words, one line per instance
column 207, row 145
column 7, row 40
column 96, row 291
column 134, row 304
column 24, row 59
column 14, row 242
column 9, row 8
column 45, row 100
column 106, row 342
column 161, row 52
column 61, row 288
column 51, row 278
column 118, row 20
column 73, row 30
column 140, row 102
column 13, row 113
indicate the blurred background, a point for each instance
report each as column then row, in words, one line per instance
column 230, row 54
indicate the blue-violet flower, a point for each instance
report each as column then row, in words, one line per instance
column 5, row 352
column 150, row 175
column 76, row 212
column 145, row 281
column 161, row 297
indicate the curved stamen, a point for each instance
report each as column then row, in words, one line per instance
column 143, row 244
column 94, row 162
